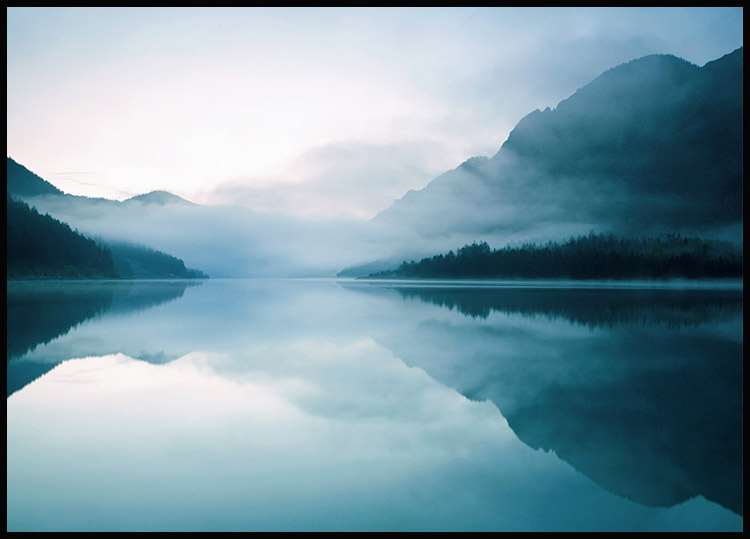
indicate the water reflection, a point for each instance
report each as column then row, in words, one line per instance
column 313, row 405
column 39, row 312
column 592, row 307
column 641, row 391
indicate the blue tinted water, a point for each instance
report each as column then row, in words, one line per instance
column 254, row 405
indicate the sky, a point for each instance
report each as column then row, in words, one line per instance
column 313, row 112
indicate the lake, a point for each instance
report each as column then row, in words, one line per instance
column 342, row 405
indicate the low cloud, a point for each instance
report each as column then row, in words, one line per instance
column 226, row 241
column 353, row 180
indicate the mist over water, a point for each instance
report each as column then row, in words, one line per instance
column 347, row 405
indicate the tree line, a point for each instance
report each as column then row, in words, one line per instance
column 138, row 261
column 40, row 246
column 592, row 256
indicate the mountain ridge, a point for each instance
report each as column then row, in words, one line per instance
column 23, row 183
column 40, row 246
column 652, row 145
column 158, row 197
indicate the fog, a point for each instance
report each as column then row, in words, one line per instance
column 229, row 241
column 354, row 179
column 650, row 146
column 235, row 242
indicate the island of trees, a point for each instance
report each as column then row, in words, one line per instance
column 593, row 256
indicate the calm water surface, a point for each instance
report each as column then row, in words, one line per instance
column 235, row 405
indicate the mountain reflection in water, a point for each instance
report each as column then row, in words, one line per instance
column 41, row 311
column 591, row 307
column 641, row 389
column 246, row 394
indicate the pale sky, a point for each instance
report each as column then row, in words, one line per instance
column 309, row 111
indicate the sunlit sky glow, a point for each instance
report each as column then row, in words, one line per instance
column 311, row 111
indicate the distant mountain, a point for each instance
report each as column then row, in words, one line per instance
column 159, row 198
column 39, row 246
column 652, row 146
column 24, row 184
column 35, row 240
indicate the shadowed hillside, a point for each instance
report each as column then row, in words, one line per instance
column 40, row 246
column 652, row 146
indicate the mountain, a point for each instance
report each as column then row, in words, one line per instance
column 40, row 246
column 25, row 185
column 223, row 241
column 159, row 198
column 34, row 239
column 22, row 182
column 651, row 146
